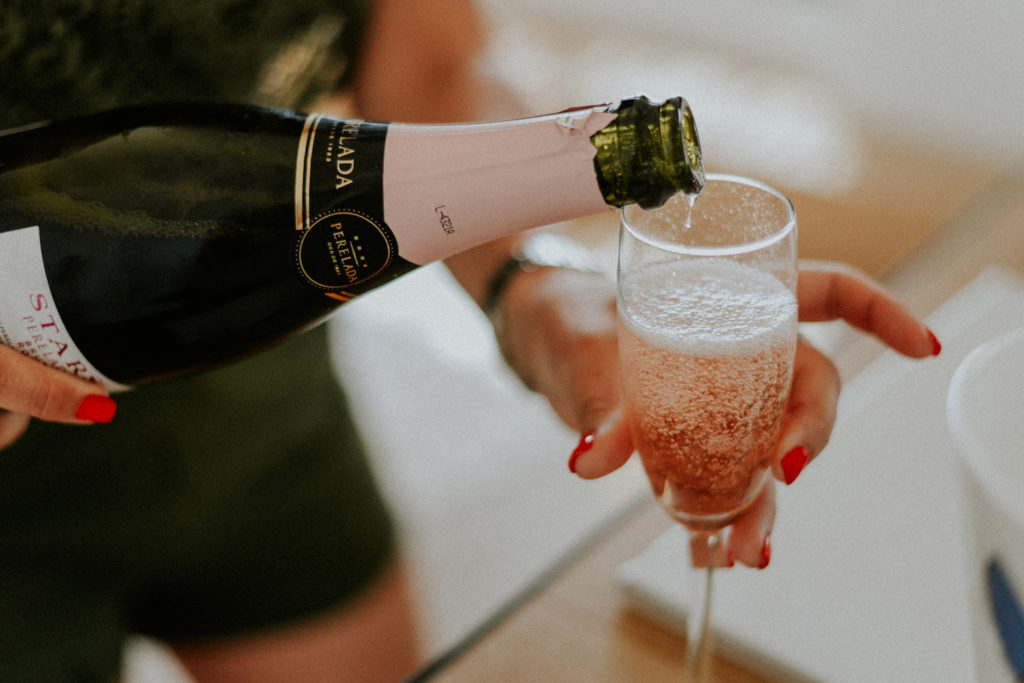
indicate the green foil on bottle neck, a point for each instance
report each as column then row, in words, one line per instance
column 650, row 152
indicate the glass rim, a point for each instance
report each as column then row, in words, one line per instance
column 718, row 250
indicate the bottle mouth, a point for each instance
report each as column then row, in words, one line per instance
column 683, row 165
column 691, row 145
column 649, row 153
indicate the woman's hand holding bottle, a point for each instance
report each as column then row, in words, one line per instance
column 30, row 389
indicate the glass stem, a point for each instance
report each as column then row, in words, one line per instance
column 698, row 636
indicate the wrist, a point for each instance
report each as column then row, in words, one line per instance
column 541, row 250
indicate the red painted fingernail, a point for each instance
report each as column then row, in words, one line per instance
column 585, row 444
column 730, row 559
column 97, row 408
column 936, row 346
column 766, row 552
column 793, row 463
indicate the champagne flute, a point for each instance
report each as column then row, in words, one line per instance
column 707, row 335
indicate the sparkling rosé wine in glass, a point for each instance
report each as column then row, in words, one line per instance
column 707, row 335
column 706, row 381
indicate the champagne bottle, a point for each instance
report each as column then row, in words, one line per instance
column 148, row 242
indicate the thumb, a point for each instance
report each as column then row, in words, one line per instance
column 29, row 387
column 604, row 449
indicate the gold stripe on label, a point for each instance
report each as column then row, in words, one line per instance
column 303, row 163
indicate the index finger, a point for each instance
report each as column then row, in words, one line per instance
column 32, row 388
column 830, row 292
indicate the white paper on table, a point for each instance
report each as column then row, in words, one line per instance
column 868, row 573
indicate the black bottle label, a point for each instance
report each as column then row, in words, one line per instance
column 342, row 242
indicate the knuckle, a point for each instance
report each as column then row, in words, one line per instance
column 48, row 402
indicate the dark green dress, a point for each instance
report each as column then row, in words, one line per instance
column 213, row 505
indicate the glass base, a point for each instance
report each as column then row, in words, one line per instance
column 709, row 522
column 705, row 522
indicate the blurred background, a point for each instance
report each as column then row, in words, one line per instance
column 889, row 108
column 878, row 118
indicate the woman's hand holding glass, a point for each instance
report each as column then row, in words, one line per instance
column 559, row 333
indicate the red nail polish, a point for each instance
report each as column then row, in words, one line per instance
column 936, row 346
column 97, row 408
column 730, row 559
column 585, row 444
column 766, row 552
column 793, row 463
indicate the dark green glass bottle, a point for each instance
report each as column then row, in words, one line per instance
column 639, row 157
column 143, row 243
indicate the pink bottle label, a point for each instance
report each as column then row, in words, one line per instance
column 374, row 200
column 451, row 188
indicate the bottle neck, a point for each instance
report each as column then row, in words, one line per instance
column 650, row 152
column 449, row 188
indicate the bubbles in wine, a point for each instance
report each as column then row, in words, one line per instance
column 707, row 353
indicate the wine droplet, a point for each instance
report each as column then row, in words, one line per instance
column 691, row 200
